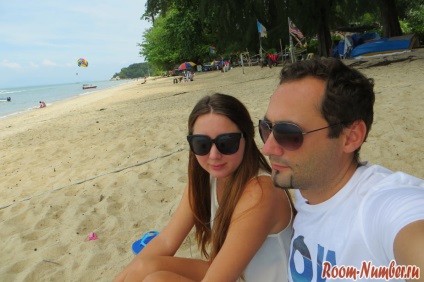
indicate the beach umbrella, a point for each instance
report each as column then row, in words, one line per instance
column 186, row 65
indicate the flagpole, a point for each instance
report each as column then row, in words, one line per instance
column 291, row 44
column 260, row 48
column 262, row 33
column 242, row 63
column 281, row 48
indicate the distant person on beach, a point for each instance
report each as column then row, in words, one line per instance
column 191, row 76
column 351, row 214
column 242, row 222
column 42, row 104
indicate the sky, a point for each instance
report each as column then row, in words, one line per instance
column 41, row 41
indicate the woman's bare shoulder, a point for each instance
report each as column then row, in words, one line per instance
column 261, row 196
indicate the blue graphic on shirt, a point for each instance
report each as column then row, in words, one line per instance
column 299, row 245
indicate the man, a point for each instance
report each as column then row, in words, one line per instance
column 355, row 220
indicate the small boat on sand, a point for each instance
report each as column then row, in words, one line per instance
column 88, row 86
column 8, row 99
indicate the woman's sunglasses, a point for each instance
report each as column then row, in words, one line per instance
column 288, row 135
column 226, row 144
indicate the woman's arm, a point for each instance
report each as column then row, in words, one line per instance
column 261, row 210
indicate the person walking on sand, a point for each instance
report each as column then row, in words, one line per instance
column 354, row 220
column 242, row 222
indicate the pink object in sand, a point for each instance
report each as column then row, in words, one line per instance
column 92, row 236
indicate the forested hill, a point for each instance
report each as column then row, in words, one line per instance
column 134, row 71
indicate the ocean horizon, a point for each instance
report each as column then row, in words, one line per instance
column 24, row 99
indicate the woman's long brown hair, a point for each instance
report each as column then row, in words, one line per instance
column 198, row 178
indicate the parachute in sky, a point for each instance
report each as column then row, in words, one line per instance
column 82, row 62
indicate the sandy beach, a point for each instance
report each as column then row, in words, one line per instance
column 114, row 163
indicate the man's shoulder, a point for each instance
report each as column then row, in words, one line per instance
column 377, row 177
column 380, row 187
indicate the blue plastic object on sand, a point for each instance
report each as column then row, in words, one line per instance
column 138, row 245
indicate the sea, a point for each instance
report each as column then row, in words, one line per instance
column 24, row 99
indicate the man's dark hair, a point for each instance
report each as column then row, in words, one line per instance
column 349, row 95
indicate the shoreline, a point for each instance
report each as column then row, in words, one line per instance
column 77, row 92
column 114, row 162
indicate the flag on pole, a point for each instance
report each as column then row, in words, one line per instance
column 294, row 30
column 261, row 29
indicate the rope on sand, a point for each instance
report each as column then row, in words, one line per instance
column 91, row 178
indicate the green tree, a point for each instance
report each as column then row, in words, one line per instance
column 175, row 37
column 235, row 23
column 412, row 15
column 185, row 28
column 135, row 71
column 415, row 18
column 155, row 8
column 389, row 18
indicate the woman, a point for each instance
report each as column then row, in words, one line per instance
column 242, row 222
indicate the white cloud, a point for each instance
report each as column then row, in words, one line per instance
column 48, row 63
column 10, row 65
column 33, row 65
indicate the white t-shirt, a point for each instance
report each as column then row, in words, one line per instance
column 355, row 229
column 270, row 262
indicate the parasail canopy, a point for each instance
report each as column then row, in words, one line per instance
column 82, row 62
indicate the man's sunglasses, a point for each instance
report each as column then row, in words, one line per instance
column 288, row 135
column 226, row 144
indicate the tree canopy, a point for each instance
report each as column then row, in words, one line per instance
column 135, row 71
column 183, row 30
column 176, row 37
